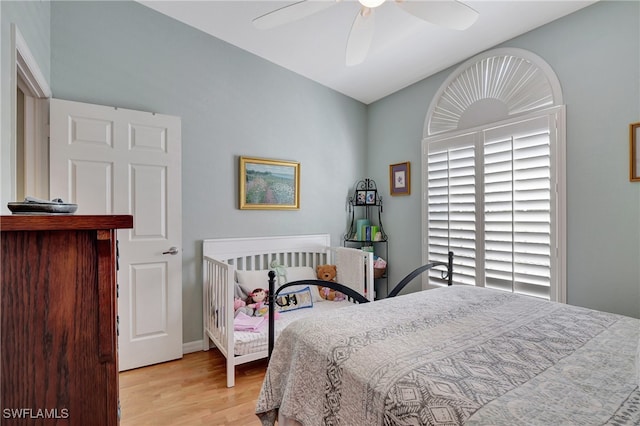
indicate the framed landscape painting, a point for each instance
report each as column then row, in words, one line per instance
column 269, row 184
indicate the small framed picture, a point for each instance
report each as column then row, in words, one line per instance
column 634, row 152
column 371, row 197
column 400, row 178
column 361, row 198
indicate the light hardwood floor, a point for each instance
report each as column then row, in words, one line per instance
column 191, row 391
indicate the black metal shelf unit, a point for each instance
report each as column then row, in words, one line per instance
column 366, row 229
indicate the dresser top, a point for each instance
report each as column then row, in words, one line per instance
column 63, row 222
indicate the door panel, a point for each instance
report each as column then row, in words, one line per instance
column 148, row 188
column 86, row 130
column 91, row 184
column 149, row 288
column 118, row 161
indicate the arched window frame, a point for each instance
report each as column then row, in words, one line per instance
column 499, row 89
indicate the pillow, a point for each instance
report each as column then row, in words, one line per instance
column 239, row 292
column 250, row 280
column 294, row 300
column 296, row 273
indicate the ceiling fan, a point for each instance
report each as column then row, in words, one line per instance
column 447, row 13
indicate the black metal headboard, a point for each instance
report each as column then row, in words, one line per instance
column 406, row 280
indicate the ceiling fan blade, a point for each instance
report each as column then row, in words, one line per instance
column 291, row 13
column 360, row 37
column 447, row 13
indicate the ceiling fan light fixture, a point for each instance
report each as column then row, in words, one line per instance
column 371, row 3
column 447, row 13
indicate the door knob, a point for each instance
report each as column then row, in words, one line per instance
column 172, row 250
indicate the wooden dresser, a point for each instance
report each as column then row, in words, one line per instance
column 58, row 335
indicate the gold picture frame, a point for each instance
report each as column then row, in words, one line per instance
column 400, row 178
column 269, row 184
column 634, row 152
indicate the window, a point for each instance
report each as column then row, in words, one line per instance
column 492, row 198
column 494, row 175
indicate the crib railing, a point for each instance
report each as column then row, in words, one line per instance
column 218, row 303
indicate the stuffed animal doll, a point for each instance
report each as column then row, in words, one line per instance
column 257, row 301
column 328, row 273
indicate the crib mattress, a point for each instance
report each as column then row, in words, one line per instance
column 251, row 342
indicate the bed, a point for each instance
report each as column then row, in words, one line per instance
column 230, row 263
column 456, row 355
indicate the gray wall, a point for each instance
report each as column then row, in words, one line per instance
column 595, row 53
column 232, row 103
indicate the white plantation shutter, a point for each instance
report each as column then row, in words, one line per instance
column 490, row 198
column 451, row 207
column 517, row 208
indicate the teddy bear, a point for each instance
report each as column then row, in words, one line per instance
column 328, row 273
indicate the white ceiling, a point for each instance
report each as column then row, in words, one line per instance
column 404, row 50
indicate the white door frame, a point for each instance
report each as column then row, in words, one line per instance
column 26, row 73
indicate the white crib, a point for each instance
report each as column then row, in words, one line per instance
column 223, row 257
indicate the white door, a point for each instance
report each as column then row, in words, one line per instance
column 118, row 161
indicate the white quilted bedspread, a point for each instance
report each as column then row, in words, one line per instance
column 455, row 355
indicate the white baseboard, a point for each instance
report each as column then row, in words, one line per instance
column 194, row 346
